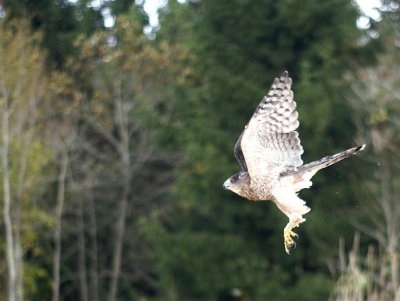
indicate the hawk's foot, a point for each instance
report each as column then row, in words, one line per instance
column 288, row 235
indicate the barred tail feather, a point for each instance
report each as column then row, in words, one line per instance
column 303, row 174
column 330, row 160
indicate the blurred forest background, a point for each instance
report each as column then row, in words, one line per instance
column 115, row 142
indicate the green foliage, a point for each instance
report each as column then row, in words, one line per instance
column 220, row 274
column 37, row 282
column 59, row 21
column 62, row 22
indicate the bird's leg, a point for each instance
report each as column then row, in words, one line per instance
column 287, row 236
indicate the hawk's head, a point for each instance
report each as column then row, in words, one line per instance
column 238, row 183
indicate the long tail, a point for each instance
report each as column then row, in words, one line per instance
column 310, row 169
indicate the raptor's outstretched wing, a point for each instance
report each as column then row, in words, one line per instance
column 270, row 140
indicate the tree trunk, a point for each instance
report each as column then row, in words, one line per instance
column 120, row 230
column 94, row 282
column 22, row 168
column 19, row 266
column 57, row 227
column 123, row 148
column 10, row 252
column 82, row 256
column 394, row 266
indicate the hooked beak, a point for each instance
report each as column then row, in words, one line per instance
column 226, row 184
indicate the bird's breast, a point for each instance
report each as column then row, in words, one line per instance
column 262, row 188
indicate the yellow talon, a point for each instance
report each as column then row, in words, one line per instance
column 289, row 242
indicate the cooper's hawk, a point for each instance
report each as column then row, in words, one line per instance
column 269, row 152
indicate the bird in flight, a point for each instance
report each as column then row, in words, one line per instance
column 269, row 153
